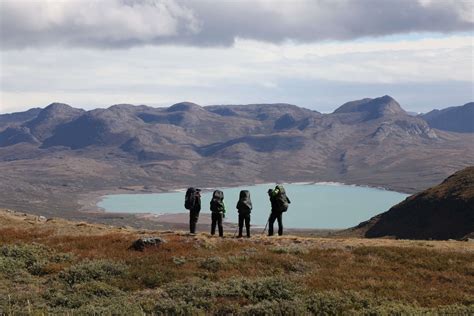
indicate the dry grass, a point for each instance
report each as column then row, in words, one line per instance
column 317, row 273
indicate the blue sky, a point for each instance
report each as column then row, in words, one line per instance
column 317, row 54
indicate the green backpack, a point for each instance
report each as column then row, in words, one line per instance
column 281, row 199
column 217, row 202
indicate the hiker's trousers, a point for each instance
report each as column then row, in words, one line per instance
column 275, row 216
column 216, row 218
column 244, row 218
column 193, row 219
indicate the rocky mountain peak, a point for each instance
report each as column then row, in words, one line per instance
column 55, row 109
column 373, row 108
column 183, row 107
column 50, row 117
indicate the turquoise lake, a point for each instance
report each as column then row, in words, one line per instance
column 312, row 205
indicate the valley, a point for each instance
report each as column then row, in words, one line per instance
column 56, row 160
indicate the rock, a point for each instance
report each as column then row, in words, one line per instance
column 42, row 219
column 146, row 242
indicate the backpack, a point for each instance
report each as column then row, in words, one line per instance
column 281, row 200
column 217, row 202
column 244, row 204
column 190, row 198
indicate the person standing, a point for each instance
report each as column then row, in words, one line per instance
column 279, row 201
column 244, row 207
column 218, row 212
column 192, row 202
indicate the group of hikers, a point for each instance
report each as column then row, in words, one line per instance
column 278, row 199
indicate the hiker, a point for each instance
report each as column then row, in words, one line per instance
column 279, row 202
column 218, row 212
column 244, row 206
column 192, row 202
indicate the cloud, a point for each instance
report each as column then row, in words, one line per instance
column 92, row 23
column 420, row 73
column 128, row 23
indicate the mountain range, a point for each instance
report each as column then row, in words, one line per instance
column 54, row 159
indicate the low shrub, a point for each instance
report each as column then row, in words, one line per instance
column 32, row 258
column 179, row 260
column 92, row 270
column 203, row 294
column 212, row 264
column 168, row 306
column 275, row 307
column 291, row 249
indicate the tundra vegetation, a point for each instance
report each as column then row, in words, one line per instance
column 78, row 268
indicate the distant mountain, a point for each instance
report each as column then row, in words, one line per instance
column 370, row 141
column 444, row 211
column 18, row 117
column 455, row 119
column 372, row 108
column 41, row 125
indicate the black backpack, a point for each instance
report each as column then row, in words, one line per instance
column 281, row 200
column 217, row 201
column 190, row 198
column 245, row 203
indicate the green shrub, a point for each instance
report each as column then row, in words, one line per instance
column 110, row 306
column 275, row 307
column 166, row 306
column 31, row 258
column 291, row 249
column 235, row 260
column 153, row 280
column 179, row 260
column 80, row 294
column 203, row 294
column 212, row 264
column 92, row 270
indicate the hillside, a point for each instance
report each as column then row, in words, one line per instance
column 63, row 159
column 456, row 119
column 445, row 211
column 57, row 266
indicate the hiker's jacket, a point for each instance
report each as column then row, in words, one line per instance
column 217, row 206
column 197, row 204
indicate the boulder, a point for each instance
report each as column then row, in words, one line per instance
column 146, row 242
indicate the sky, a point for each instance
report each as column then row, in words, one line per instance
column 313, row 53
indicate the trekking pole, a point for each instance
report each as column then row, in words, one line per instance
column 266, row 225
column 237, row 228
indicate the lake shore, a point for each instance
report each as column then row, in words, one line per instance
column 171, row 212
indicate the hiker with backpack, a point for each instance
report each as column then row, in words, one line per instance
column 192, row 202
column 244, row 206
column 218, row 212
column 279, row 201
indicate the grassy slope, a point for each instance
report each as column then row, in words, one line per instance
column 60, row 266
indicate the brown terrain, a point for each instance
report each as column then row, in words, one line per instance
column 59, row 160
column 55, row 266
column 445, row 211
